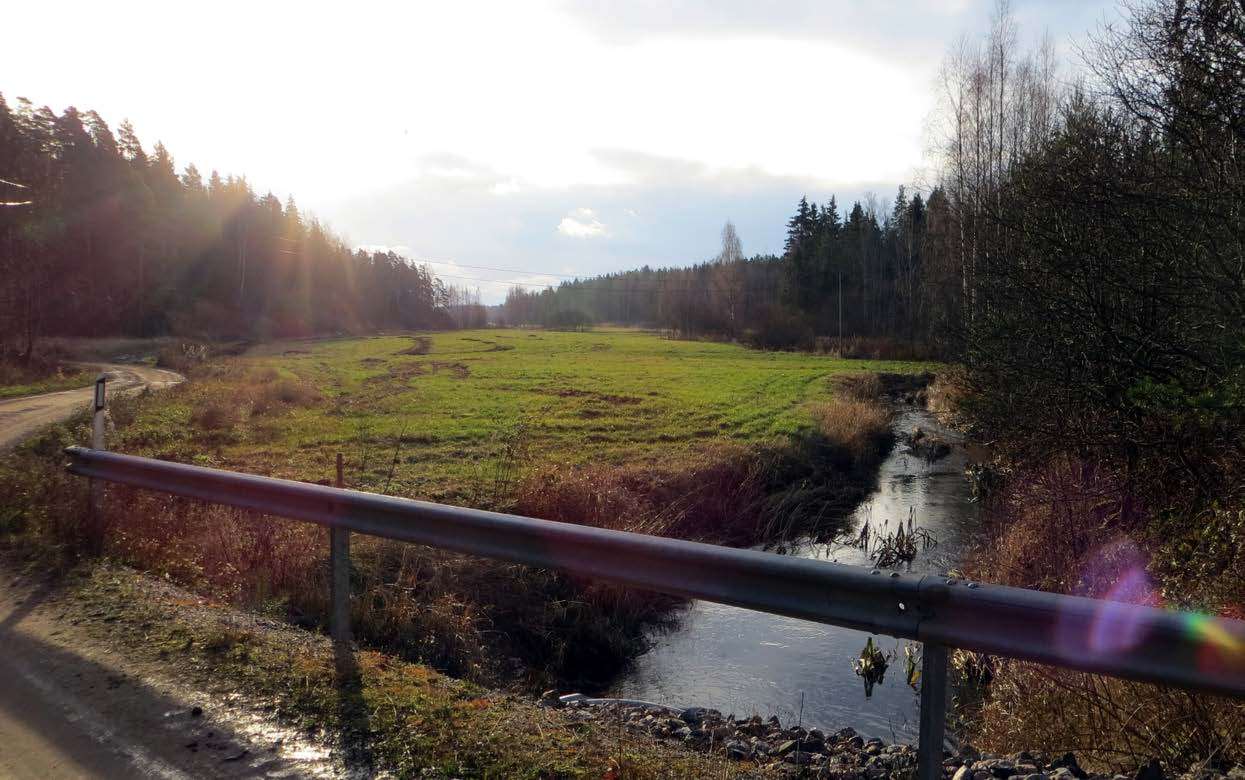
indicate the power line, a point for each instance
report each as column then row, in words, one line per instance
column 631, row 288
column 507, row 270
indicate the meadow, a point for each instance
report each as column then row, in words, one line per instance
column 432, row 416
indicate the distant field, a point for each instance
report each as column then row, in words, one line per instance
column 452, row 405
column 13, row 384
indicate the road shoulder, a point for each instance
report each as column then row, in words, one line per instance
column 77, row 705
column 275, row 694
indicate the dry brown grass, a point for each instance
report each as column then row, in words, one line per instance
column 225, row 398
column 945, row 395
column 713, row 495
column 183, row 357
column 233, row 555
column 1111, row 725
column 1070, row 527
column 1063, row 527
column 853, row 424
column 282, row 394
column 866, row 387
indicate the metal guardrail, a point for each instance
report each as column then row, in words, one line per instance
column 1187, row 650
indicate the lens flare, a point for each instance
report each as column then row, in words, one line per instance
column 1118, row 623
column 1220, row 650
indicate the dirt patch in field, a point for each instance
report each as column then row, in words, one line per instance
column 571, row 392
column 456, row 370
column 421, row 346
column 403, row 372
column 493, row 346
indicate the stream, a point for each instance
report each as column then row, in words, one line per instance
column 744, row 662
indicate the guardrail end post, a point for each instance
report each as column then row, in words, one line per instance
column 95, row 487
column 933, row 711
column 339, row 576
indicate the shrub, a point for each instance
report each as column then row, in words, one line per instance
column 183, row 357
column 782, row 328
column 272, row 397
column 873, row 348
column 214, row 416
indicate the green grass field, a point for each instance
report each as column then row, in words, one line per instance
column 15, row 385
column 608, row 396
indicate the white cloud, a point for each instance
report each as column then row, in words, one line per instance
column 507, row 187
column 582, row 223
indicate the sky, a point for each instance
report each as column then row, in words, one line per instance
column 548, row 138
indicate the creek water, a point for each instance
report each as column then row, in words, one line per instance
column 745, row 663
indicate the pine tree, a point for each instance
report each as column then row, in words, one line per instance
column 129, row 146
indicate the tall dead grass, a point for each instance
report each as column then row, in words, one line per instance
column 236, row 556
column 1072, row 527
column 945, row 395
column 858, row 426
column 224, row 399
column 714, row 495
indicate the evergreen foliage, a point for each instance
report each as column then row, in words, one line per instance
column 99, row 237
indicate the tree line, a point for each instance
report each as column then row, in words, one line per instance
column 863, row 275
column 100, row 237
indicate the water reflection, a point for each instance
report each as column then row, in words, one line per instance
column 745, row 662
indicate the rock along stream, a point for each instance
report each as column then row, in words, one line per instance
column 743, row 662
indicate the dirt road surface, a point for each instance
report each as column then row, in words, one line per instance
column 19, row 417
column 71, row 707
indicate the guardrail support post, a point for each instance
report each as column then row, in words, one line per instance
column 339, row 576
column 96, row 487
column 933, row 711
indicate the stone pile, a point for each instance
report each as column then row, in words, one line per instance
column 841, row 754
